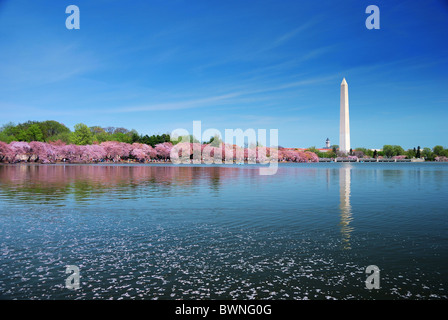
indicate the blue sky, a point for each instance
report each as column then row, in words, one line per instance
column 155, row 66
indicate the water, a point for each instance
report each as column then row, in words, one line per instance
column 224, row 232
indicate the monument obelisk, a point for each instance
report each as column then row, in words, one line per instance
column 344, row 124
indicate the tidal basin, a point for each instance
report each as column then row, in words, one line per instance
column 224, row 232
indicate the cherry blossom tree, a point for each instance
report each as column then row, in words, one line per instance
column 22, row 150
column 211, row 154
column 261, row 154
column 181, row 152
column 116, row 150
column 92, row 152
column 43, row 152
column 142, row 152
column 139, row 154
column 70, row 152
column 6, row 152
column 311, row 156
column 227, row 152
column 163, row 149
column 196, row 152
column 287, row 154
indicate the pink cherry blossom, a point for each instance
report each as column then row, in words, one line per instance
column 43, row 152
column 118, row 151
column 163, row 149
column 22, row 150
column 6, row 152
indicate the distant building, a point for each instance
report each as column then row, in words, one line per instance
column 327, row 143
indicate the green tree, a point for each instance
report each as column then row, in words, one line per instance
column 445, row 153
column 438, row 150
column 145, row 139
column 33, row 133
column 313, row 149
column 388, row 150
column 428, row 154
column 329, row 154
column 51, row 128
column 99, row 134
column 66, row 137
column 8, row 129
column 418, row 153
column 121, row 130
column 398, row 151
column 120, row 137
column 134, row 136
column 6, row 138
column 7, row 132
column 363, row 150
column 190, row 138
column 82, row 134
column 21, row 131
column 34, row 130
column 155, row 139
column 215, row 141
column 411, row 153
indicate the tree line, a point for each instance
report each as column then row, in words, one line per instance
column 389, row 151
column 53, row 131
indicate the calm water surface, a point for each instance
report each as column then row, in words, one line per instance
column 210, row 232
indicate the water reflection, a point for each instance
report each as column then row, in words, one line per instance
column 56, row 183
column 345, row 206
column 209, row 232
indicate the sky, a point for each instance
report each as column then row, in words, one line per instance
column 155, row 66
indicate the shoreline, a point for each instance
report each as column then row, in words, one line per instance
column 125, row 163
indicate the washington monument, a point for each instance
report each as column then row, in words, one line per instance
column 344, row 125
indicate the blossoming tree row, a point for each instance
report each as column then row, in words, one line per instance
column 53, row 152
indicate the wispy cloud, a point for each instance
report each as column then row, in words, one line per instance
column 222, row 99
column 42, row 65
column 249, row 50
column 187, row 104
column 284, row 38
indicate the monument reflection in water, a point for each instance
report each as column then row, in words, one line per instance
column 345, row 206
